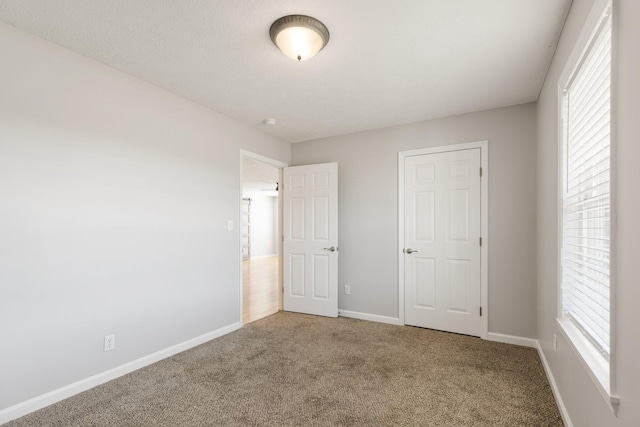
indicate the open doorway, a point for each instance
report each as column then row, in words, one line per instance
column 261, row 242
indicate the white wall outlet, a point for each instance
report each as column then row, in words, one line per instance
column 230, row 225
column 347, row 290
column 555, row 342
column 109, row 342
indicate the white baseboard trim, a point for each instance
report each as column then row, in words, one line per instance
column 23, row 408
column 511, row 339
column 554, row 388
column 369, row 317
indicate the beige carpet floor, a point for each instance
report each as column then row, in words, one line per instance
column 297, row 370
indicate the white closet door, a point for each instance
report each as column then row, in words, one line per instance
column 442, row 241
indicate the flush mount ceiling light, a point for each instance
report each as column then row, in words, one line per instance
column 299, row 37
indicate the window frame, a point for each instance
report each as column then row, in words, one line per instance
column 601, row 370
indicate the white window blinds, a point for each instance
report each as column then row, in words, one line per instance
column 586, row 192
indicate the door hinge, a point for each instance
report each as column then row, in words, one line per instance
column 480, row 171
column 481, row 241
column 480, row 311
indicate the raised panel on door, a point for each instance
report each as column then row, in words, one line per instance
column 321, row 219
column 296, row 273
column 425, row 218
column 321, row 276
column 425, row 279
column 457, row 215
column 457, row 277
column 321, row 180
column 297, row 182
column 296, row 219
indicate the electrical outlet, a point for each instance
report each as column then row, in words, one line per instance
column 347, row 290
column 109, row 342
column 555, row 342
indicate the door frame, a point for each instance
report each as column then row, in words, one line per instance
column 280, row 165
column 484, row 224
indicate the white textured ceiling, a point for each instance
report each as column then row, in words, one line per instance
column 388, row 62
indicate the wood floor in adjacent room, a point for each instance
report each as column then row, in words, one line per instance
column 260, row 288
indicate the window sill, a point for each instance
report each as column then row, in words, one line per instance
column 597, row 366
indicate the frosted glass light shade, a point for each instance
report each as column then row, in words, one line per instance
column 299, row 43
column 299, row 37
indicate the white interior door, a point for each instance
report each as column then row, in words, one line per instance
column 442, row 241
column 310, row 245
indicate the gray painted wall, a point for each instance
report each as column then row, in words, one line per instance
column 114, row 202
column 368, row 209
column 585, row 405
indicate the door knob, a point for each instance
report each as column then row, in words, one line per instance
column 331, row 249
column 409, row 251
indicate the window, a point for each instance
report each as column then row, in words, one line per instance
column 585, row 182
